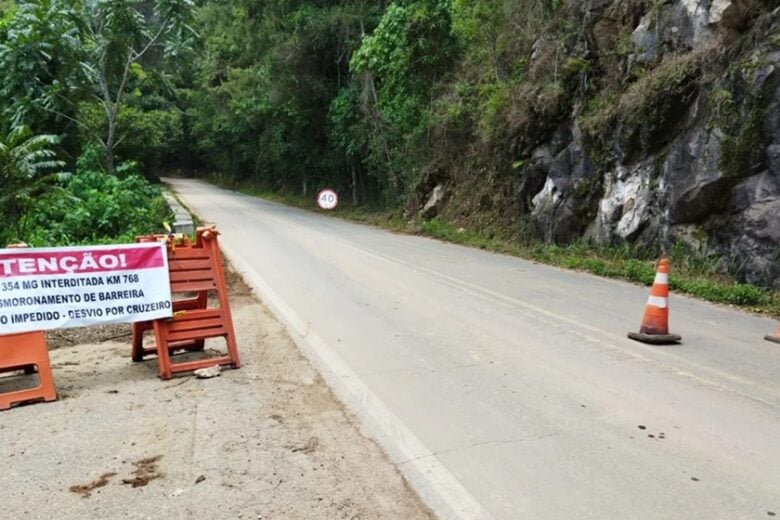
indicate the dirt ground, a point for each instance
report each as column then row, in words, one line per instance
column 268, row 441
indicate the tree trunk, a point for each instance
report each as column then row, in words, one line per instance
column 110, row 166
column 354, row 185
column 110, row 140
column 494, row 55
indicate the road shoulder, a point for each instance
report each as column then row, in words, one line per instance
column 267, row 441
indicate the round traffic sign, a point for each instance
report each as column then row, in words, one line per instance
column 327, row 199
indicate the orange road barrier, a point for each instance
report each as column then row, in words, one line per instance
column 196, row 270
column 140, row 327
column 26, row 351
column 655, row 323
column 199, row 301
column 776, row 337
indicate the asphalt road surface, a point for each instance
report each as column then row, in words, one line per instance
column 506, row 389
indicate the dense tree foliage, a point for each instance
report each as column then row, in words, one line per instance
column 73, row 83
column 270, row 70
column 381, row 99
column 357, row 94
column 287, row 94
column 371, row 97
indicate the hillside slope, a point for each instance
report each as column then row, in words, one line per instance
column 679, row 141
column 654, row 123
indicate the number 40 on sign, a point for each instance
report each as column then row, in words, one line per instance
column 327, row 199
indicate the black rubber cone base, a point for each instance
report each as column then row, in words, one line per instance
column 655, row 339
column 773, row 339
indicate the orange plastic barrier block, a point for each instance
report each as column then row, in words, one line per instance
column 26, row 351
column 184, row 304
column 195, row 270
column 140, row 327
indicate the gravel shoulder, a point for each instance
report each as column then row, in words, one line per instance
column 268, row 441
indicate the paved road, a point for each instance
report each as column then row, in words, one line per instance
column 505, row 389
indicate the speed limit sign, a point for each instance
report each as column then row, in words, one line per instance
column 327, row 199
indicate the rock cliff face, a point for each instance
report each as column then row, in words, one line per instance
column 687, row 153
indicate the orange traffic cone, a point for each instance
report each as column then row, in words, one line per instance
column 776, row 337
column 655, row 323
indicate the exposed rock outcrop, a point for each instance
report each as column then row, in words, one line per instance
column 685, row 24
column 659, row 125
column 435, row 200
column 705, row 173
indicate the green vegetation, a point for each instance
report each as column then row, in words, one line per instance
column 89, row 79
column 93, row 206
column 26, row 167
column 59, row 55
column 653, row 105
column 367, row 96
column 742, row 148
column 381, row 100
column 692, row 274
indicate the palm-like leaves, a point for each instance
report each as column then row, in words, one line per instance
column 27, row 165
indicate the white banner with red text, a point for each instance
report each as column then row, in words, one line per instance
column 51, row 288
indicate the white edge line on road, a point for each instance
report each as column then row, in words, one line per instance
column 435, row 484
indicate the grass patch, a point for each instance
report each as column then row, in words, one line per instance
column 695, row 276
column 690, row 275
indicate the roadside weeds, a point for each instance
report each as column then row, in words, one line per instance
column 691, row 275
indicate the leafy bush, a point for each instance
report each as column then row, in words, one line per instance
column 95, row 207
column 439, row 229
column 400, row 62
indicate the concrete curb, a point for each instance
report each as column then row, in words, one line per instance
column 182, row 220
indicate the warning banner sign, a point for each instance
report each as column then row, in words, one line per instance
column 50, row 288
